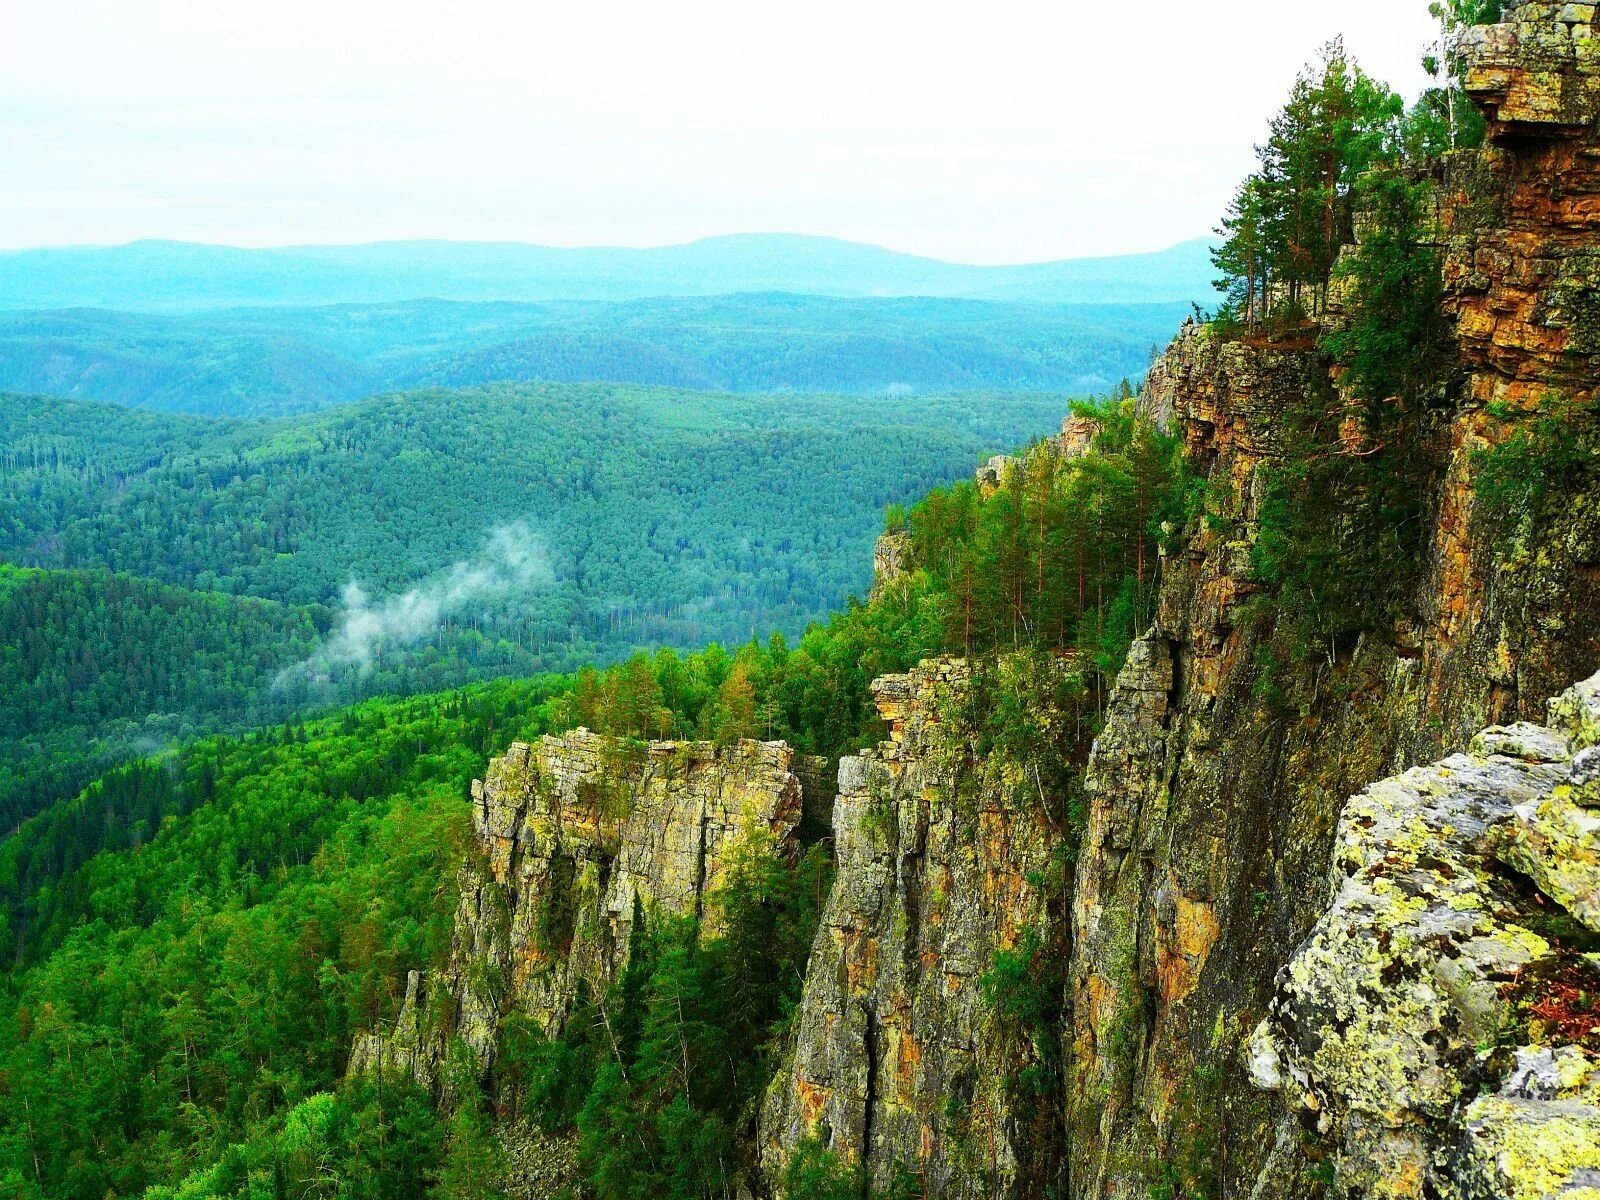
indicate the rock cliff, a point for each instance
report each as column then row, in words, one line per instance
column 946, row 858
column 1168, row 1000
column 576, row 836
column 1212, row 811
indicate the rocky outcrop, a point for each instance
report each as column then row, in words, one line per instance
column 1208, row 812
column 1537, row 73
column 578, row 836
column 1395, row 1030
column 408, row 1047
column 1216, row 807
column 891, row 558
column 1077, row 438
column 1213, row 808
column 946, row 858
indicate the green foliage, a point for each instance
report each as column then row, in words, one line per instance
column 94, row 664
column 1026, row 990
column 1063, row 554
column 1518, row 477
column 1188, row 1171
column 371, row 1140
column 666, row 517
column 1444, row 119
column 661, row 1076
column 1393, row 344
column 1342, row 521
column 1339, row 542
column 200, row 937
column 813, row 1172
column 1284, row 228
column 1035, row 719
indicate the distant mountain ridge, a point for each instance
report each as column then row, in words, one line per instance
column 165, row 275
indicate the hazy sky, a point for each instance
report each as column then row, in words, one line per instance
column 992, row 131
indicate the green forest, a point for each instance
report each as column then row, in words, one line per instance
column 251, row 665
column 197, row 936
column 185, row 566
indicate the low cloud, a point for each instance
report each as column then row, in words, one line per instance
column 512, row 560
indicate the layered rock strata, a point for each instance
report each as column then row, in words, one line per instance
column 1212, row 811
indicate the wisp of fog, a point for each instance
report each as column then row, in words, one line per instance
column 513, row 559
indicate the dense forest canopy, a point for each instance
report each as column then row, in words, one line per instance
column 195, row 935
column 1341, row 139
column 1330, row 245
column 197, row 572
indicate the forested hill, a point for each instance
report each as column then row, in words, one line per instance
column 154, row 275
column 486, row 531
column 274, row 361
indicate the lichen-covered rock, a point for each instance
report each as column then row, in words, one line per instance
column 406, row 1048
column 944, row 859
column 1538, row 72
column 1077, row 437
column 1555, row 839
column 581, row 832
column 1555, row 842
column 576, row 835
column 1380, row 1029
column 1538, row 1136
column 539, row 1166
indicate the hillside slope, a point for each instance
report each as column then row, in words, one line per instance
column 1205, row 803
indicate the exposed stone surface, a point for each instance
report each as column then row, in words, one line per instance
column 891, row 558
column 1537, row 1137
column 819, row 784
column 1208, row 812
column 1555, row 842
column 575, row 835
column 1212, row 814
column 1538, row 73
column 941, row 863
column 538, row 1166
column 406, row 1048
column 579, row 831
column 1379, row 1029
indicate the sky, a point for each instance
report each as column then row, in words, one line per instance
column 986, row 132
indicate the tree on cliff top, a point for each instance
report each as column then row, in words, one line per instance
column 1283, row 230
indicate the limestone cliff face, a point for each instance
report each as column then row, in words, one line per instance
column 1212, row 815
column 1396, row 1030
column 945, row 858
column 576, row 835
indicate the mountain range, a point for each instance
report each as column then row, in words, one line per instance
column 168, row 275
